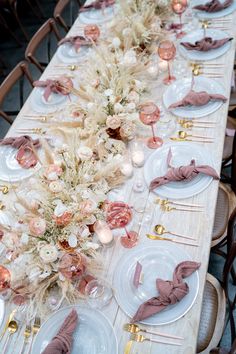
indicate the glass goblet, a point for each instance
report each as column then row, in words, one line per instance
column 178, row 7
column 149, row 114
column 98, row 293
column 5, row 284
column 167, row 51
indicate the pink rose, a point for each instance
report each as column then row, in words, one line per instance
column 37, row 226
column 52, row 172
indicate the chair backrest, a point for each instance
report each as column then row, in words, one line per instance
column 17, row 75
column 57, row 14
column 42, row 35
column 229, row 270
column 233, row 168
column 73, row 12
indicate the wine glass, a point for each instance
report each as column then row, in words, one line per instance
column 5, row 284
column 167, row 51
column 98, row 293
column 179, row 6
column 149, row 114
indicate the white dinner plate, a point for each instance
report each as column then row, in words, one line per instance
column 68, row 55
column 158, row 260
column 2, row 310
column 204, row 14
column 180, row 88
column 182, row 154
column 94, row 333
column 40, row 105
column 200, row 55
column 98, row 16
column 10, row 170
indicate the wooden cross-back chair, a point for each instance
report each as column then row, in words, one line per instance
column 18, row 75
column 43, row 35
column 60, row 7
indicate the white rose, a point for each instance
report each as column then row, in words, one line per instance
column 133, row 96
column 127, row 131
column 118, row 108
column 84, row 153
column 108, row 92
column 113, row 122
column 130, row 107
column 56, row 187
column 48, row 253
column 116, row 42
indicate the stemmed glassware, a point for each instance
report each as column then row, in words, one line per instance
column 149, row 114
column 167, row 51
column 5, row 284
column 179, row 6
column 98, row 293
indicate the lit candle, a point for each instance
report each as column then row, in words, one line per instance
column 137, row 154
column 126, row 169
column 153, row 70
column 103, row 233
column 163, row 65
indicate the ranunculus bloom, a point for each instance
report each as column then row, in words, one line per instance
column 55, row 186
column 127, row 131
column 37, row 226
column 63, row 219
column 48, row 253
column 84, row 153
column 87, row 206
column 52, row 172
column 113, row 122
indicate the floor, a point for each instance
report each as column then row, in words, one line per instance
column 11, row 54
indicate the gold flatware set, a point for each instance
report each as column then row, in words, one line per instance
column 189, row 124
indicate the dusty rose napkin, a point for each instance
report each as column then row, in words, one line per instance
column 205, row 44
column 62, row 85
column 97, row 5
column 194, row 98
column 76, row 41
column 182, row 173
column 25, row 155
column 214, row 6
column 170, row 292
column 62, row 342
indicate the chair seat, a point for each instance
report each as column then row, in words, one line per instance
column 221, row 214
column 228, row 147
column 212, row 315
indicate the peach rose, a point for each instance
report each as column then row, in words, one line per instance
column 52, row 172
column 37, row 226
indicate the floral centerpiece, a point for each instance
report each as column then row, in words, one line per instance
column 48, row 234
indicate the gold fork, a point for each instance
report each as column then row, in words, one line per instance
column 35, row 329
column 27, row 334
column 169, row 208
column 134, row 328
column 140, row 338
column 39, row 131
column 160, row 238
column 167, row 201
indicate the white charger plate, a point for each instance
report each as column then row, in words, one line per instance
column 204, row 14
column 98, row 16
column 94, row 333
column 40, row 105
column 182, row 154
column 200, row 55
column 68, row 55
column 10, row 170
column 158, row 260
column 180, row 88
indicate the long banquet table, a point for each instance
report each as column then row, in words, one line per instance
column 199, row 225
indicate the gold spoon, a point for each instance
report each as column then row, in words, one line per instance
column 183, row 135
column 12, row 328
column 4, row 189
column 160, row 230
column 134, row 328
column 167, row 201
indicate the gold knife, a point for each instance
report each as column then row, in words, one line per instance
column 128, row 347
column 195, row 140
column 155, row 237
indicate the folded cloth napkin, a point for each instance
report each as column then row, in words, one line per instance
column 205, row 44
column 194, row 98
column 213, row 6
column 76, row 41
column 170, row 292
column 97, row 5
column 62, row 342
column 62, row 86
column 24, row 144
column 182, row 173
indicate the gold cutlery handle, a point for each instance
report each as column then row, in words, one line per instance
column 155, row 237
column 4, row 350
column 179, row 235
column 186, row 204
column 161, row 341
column 162, row 334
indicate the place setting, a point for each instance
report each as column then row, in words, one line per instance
column 98, row 11
column 213, row 9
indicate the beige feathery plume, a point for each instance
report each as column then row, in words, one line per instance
column 48, row 154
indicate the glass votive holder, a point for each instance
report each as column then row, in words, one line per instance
column 104, row 233
column 137, row 153
column 98, row 293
